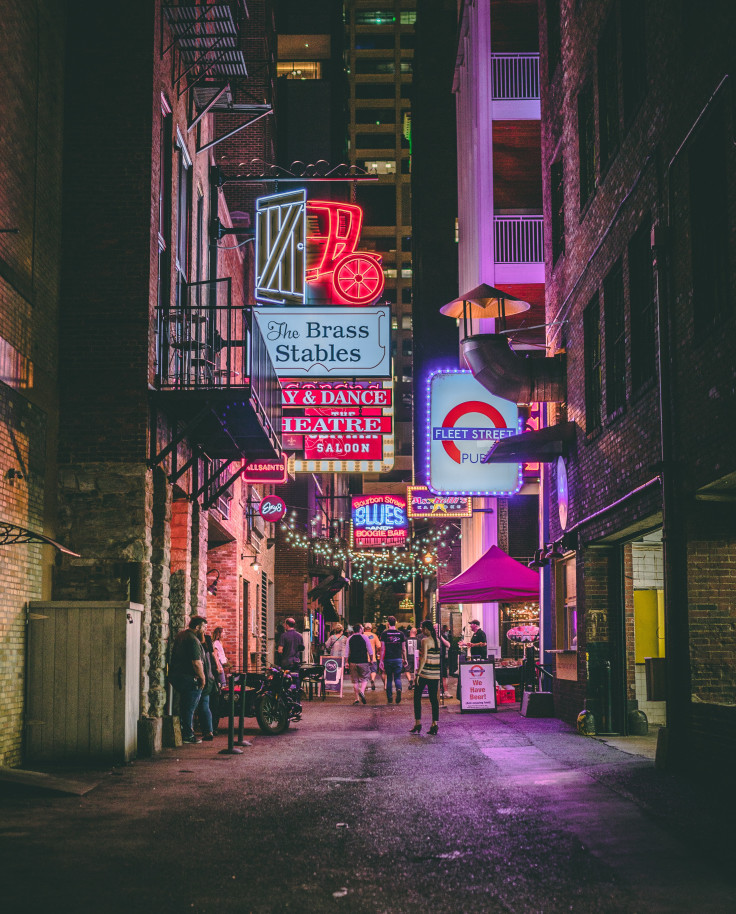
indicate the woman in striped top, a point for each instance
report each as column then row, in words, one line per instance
column 428, row 674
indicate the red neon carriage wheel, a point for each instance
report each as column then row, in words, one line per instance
column 358, row 278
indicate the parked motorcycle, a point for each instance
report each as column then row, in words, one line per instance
column 273, row 698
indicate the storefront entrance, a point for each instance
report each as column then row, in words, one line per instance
column 647, row 586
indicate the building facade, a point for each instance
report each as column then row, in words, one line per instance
column 639, row 192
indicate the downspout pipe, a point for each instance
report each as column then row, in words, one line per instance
column 520, row 379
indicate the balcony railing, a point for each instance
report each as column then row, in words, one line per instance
column 515, row 77
column 518, row 239
column 203, row 342
column 207, row 344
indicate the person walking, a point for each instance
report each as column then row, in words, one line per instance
column 208, row 700
column 376, row 645
column 360, row 652
column 220, row 656
column 428, row 674
column 393, row 658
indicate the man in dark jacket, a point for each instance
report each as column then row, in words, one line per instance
column 186, row 674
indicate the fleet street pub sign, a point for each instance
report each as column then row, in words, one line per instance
column 465, row 421
column 338, row 426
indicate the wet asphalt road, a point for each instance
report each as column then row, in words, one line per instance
column 348, row 812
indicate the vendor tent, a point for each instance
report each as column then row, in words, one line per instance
column 495, row 577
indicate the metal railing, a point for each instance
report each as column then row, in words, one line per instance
column 515, row 76
column 203, row 342
column 518, row 239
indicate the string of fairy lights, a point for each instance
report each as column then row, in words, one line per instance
column 420, row 555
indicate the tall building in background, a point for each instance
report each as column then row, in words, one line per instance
column 500, row 244
column 379, row 62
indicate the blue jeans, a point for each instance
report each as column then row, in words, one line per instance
column 189, row 696
column 393, row 670
column 205, row 713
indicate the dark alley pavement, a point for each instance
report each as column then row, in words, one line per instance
column 348, row 812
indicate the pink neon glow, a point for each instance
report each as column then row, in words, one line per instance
column 356, row 276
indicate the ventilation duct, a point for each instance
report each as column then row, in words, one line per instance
column 521, row 379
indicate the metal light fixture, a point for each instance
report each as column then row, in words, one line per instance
column 255, row 565
column 539, row 560
column 554, row 551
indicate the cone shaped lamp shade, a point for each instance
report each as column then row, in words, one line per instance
column 485, row 301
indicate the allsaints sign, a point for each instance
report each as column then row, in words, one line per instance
column 329, row 342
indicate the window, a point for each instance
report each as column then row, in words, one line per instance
column 164, row 203
column 406, row 322
column 641, row 303
column 381, row 167
column 299, row 69
column 554, row 37
column 586, row 143
column 592, row 344
column 567, row 606
column 374, row 90
column 374, row 17
column 557, row 194
column 613, row 302
column 183, row 206
column 408, row 17
column 379, row 42
column 406, row 296
column 608, row 113
column 709, row 229
column 633, row 54
column 376, row 116
column 375, row 141
column 406, row 373
column 371, row 66
column 406, row 346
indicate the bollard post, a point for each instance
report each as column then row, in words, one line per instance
column 231, row 722
column 241, row 712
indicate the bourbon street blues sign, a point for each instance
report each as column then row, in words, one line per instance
column 464, row 420
column 328, row 342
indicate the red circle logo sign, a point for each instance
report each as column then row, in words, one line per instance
column 462, row 409
column 272, row 508
column 476, row 670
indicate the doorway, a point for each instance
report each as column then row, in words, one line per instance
column 245, row 627
column 647, row 565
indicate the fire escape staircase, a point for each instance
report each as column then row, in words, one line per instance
column 211, row 64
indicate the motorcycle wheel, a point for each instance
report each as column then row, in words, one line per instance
column 272, row 715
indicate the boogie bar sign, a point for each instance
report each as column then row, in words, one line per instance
column 329, row 342
column 379, row 520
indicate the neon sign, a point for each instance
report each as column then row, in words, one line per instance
column 379, row 521
column 356, row 276
column 281, row 227
column 266, row 471
column 315, row 242
column 464, row 417
column 423, row 503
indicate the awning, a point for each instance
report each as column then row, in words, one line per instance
column 544, row 445
column 495, row 577
column 327, row 588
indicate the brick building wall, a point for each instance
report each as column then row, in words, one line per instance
column 32, row 45
column 647, row 179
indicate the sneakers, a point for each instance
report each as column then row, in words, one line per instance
column 208, row 737
column 398, row 698
column 191, row 739
column 356, row 702
column 373, row 687
column 362, row 697
column 390, row 699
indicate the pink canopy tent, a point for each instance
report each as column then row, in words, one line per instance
column 495, row 577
